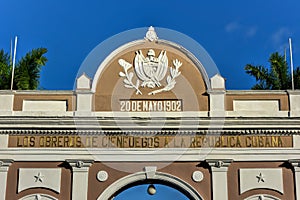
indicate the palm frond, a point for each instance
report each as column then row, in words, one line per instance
column 28, row 69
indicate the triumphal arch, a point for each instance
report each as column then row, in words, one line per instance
column 150, row 107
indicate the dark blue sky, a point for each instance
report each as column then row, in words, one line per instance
column 233, row 32
column 139, row 192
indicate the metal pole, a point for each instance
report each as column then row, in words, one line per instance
column 11, row 49
column 14, row 63
column 292, row 65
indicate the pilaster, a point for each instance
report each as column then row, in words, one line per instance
column 296, row 165
column 4, row 166
column 80, row 172
column 219, row 170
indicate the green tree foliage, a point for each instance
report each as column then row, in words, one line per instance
column 274, row 77
column 27, row 70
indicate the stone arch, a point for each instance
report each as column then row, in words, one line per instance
column 141, row 176
column 262, row 197
column 39, row 197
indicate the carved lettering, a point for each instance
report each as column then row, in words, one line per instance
column 151, row 105
column 123, row 141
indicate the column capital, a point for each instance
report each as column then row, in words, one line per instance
column 5, row 163
column 219, row 164
column 296, row 164
column 79, row 165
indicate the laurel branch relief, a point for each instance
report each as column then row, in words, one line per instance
column 150, row 71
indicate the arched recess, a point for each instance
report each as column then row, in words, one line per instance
column 38, row 197
column 141, row 176
column 262, row 197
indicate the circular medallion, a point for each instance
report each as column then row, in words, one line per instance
column 102, row 176
column 197, row 176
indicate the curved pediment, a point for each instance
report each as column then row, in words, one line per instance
column 152, row 74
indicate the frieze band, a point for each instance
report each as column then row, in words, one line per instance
column 123, row 141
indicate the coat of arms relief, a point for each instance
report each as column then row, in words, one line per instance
column 150, row 70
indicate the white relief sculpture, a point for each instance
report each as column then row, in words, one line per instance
column 260, row 178
column 151, row 71
column 197, row 176
column 39, row 177
column 48, row 178
column 128, row 76
column 102, row 176
column 151, row 34
column 219, row 164
column 79, row 164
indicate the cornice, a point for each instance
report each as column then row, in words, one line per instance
column 264, row 92
column 151, row 132
column 145, row 124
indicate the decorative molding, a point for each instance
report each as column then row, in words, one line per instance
column 261, row 178
column 140, row 176
column 262, row 197
column 5, row 163
column 102, row 176
column 38, row 197
column 80, row 165
column 151, row 35
column 150, row 132
column 149, row 70
column 197, row 176
column 219, row 163
column 39, row 177
column 150, row 171
column 295, row 162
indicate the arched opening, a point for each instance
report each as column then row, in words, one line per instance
column 150, row 191
column 139, row 181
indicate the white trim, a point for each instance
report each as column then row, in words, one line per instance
column 268, row 92
column 38, row 196
column 255, row 114
column 80, row 178
column 262, row 197
column 167, row 154
column 5, row 163
column 219, row 169
column 296, row 164
column 140, row 176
